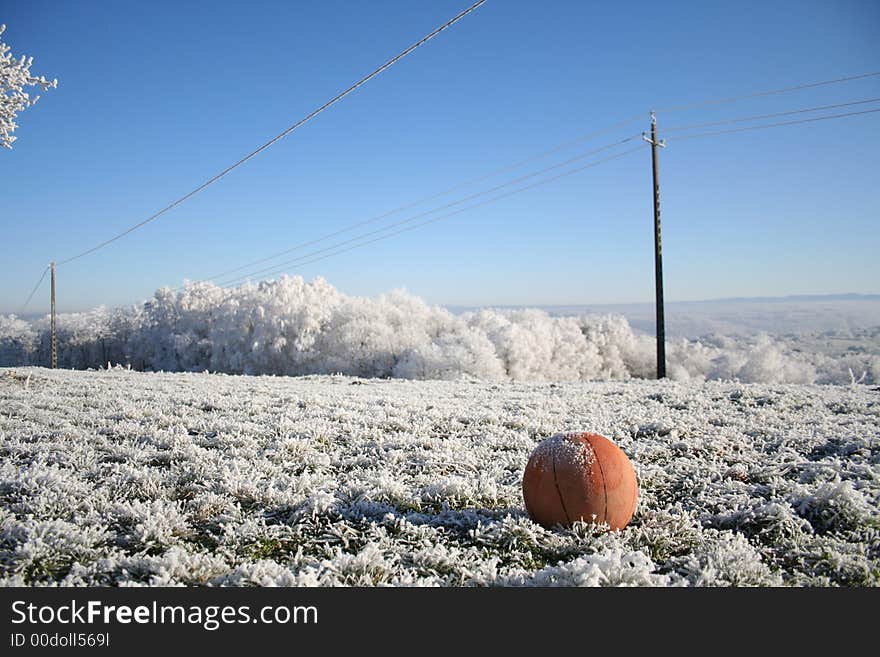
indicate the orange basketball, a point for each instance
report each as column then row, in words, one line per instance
column 580, row 476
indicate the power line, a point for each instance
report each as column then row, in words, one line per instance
column 425, row 199
column 34, row 291
column 768, row 116
column 334, row 249
column 457, row 202
column 460, row 210
column 296, row 125
column 446, row 206
column 771, row 92
column 771, row 125
column 304, row 260
column 421, row 42
column 560, row 147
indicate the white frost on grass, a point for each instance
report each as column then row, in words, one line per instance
column 727, row 560
column 123, row 478
column 613, row 567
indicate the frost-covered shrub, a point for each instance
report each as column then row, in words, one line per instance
column 462, row 351
column 767, row 364
column 18, row 341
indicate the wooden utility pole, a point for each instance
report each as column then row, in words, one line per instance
column 54, row 334
column 658, row 252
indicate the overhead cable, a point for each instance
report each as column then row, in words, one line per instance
column 769, row 125
column 306, row 260
column 471, row 197
column 34, row 291
column 758, row 117
column 296, row 125
column 718, row 101
column 425, row 199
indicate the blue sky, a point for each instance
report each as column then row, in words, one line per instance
column 154, row 98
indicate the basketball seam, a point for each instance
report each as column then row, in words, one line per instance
column 559, row 492
column 635, row 494
column 604, row 483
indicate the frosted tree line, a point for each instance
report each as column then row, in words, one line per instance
column 293, row 327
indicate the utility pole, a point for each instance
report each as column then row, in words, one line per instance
column 54, row 334
column 658, row 252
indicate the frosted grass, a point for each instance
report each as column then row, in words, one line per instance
column 123, row 478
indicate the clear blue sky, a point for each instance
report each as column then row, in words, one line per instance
column 156, row 97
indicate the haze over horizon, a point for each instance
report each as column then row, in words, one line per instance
column 456, row 307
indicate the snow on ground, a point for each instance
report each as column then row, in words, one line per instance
column 117, row 477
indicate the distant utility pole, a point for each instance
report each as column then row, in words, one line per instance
column 658, row 251
column 54, row 334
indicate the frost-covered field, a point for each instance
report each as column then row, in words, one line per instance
column 119, row 478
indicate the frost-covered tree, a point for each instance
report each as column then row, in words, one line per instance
column 15, row 76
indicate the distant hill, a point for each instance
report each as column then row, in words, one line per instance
column 740, row 315
column 794, row 297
